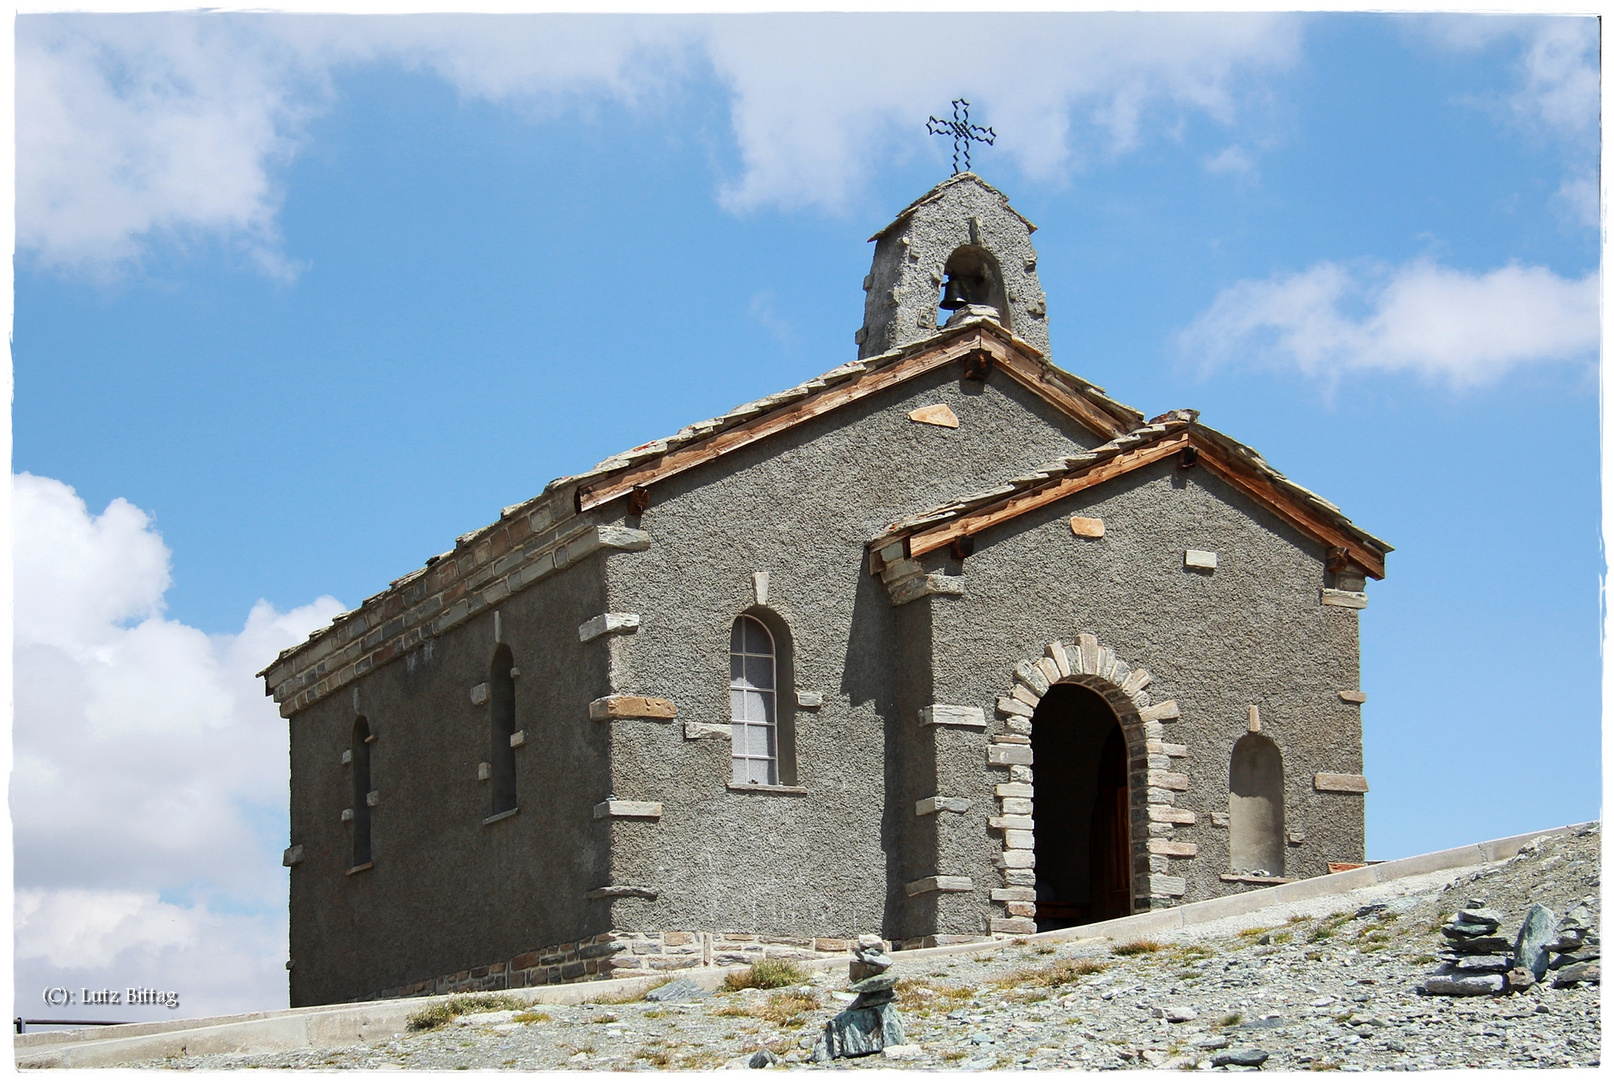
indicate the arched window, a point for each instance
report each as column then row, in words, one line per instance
column 753, row 703
column 1255, row 806
column 361, row 792
column 502, row 713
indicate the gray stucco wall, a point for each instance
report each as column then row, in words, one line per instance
column 446, row 891
column 800, row 507
column 1252, row 632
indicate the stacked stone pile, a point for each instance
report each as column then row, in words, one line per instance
column 870, row 1023
column 1477, row 961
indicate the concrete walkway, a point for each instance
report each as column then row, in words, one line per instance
column 375, row 1021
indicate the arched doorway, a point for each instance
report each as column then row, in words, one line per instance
column 1084, row 864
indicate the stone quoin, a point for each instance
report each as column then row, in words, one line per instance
column 943, row 644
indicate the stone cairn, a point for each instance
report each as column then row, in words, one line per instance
column 870, row 1023
column 1477, row 962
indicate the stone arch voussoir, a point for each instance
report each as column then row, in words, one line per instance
column 1154, row 774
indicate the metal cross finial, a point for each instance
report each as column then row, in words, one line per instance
column 962, row 131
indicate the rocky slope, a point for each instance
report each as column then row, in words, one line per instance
column 1332, row 983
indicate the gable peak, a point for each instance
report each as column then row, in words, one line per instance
column 960, row 248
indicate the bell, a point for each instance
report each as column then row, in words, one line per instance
column 953, row 294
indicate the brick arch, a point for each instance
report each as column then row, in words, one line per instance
column 1152, row 780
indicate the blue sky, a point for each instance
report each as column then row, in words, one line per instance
column 313, row 296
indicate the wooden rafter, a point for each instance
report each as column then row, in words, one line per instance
column 1005, row 356
column 992, row 514
column 1284, row 504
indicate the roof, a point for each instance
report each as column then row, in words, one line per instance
column 1165, row 435
column 533, row 538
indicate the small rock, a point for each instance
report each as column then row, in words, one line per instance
column 1563, row 960
column 1481, row 945
column 1264, row 939
column 1175, row 1014
column 905, row 1050
column 1248, row 1056
column 1214, row 1042
column 874, row 984
column 1368, row 909
column 484, row 1019
column 1480, row 917
column 763, row 1058
column 1529, row 951
column 1520, row 979
column 1487, row 964
column 1463, row 985
column 677, row 990
column 1577, row 973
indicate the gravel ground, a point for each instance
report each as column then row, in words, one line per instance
column 1330, row 989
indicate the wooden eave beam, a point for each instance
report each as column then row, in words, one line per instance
column 1268, row 494
column 786, row 416
column 1030, row 376
column 1012, row 507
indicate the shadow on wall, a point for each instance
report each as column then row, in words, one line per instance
column 1255, row 806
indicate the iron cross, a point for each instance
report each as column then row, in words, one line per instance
column 962, row 131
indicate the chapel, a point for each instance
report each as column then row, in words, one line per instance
column 945, row 643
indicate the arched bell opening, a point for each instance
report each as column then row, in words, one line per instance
column 1083, row 809
column 974, row 276
column 1255, row 807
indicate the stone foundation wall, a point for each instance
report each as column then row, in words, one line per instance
column 622, row 954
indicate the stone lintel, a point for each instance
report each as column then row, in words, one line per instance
column 1344, row 598
column 1344, row 782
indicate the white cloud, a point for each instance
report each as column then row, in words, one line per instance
column 1232, row 161
column 1418, row 317
column 137, row 127
column 148, row 793
column 1555, row 70
column 1581, row 199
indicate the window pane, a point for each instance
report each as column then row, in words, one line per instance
column 742, row 770
column 758, row 707
column 736, row 669
column 756, row 638
column 761, row 771
column 759, row 672
column 737, row 706
column 737, row 637
column 756, row 741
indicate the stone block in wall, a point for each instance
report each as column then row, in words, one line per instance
column 1019, row 838
column 807, row 699
column 1027, row 878
column 1342, row 782
column 479, row 694
column 1344, row 598
column 1174, row 848
column 612, row 622
column 1199, row 560
column 1013, row 706
column 1013, row 926
column 971, row 716
column 1171, row 781
column 1017, row 807
column 1020, row 859
column 1032, row 676
column 628, row 706
column 1008, row 755
column 1165, row 710
column 1012, row 739
column 1014, row 791
column 627, row 808
column 936, row 803
column 1014, row 893
column 939, row 883
column 693, row 730
column 1166, row 885
column 1021, row 908
column 1018, row 725
column 1011, row 821
column 1220, row 820
column 1171, row 815
column 1353, row 697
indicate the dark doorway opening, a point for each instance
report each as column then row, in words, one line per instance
column 1084, row 850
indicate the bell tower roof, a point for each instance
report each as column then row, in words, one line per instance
column 964, row 235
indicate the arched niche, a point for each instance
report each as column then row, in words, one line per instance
column 1255, row 806
column 980, row 279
